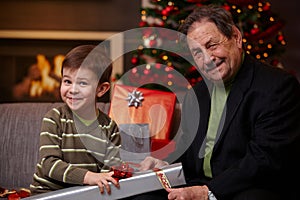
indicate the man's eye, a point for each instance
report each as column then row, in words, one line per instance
column 212, row 46
column 197, row 52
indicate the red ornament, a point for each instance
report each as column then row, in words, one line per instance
column 152, row 43
column 147, row 32
column 192, row 69
column 161, row 24
column 146, row 71
column 157, row 65
column 142, row 23
column 164, row 12
column 280, row 38
column 226, row 7
column 134, row 60
column 169, row 8
column 254, row 31
column 266, row 7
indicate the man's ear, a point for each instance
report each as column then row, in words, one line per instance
column 102, row 89
column 237, row 35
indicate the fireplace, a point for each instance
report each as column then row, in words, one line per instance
column 35, row 56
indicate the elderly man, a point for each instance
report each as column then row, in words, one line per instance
column 247, row 136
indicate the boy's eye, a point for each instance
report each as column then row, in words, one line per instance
column 83, row 83
column 66, row 81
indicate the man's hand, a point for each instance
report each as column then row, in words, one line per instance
column 101, row 179
column 151, row 162
column 188, row 193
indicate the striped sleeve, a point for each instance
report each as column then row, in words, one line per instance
column 112, row 155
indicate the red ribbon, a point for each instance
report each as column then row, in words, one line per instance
column 122, row 171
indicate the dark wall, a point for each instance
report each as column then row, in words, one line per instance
column 289, row 11
column 93, row 15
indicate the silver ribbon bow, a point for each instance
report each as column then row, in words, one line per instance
column 135, row 98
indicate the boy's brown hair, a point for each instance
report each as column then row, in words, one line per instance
column 92, row 57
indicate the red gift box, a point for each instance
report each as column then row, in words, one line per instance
column 140, row 105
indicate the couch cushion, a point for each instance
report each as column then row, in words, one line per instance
column 20, row 125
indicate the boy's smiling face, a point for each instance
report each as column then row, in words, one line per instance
column 79, row 89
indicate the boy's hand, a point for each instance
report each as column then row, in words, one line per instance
column 101, row 179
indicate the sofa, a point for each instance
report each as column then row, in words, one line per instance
column 19, row 141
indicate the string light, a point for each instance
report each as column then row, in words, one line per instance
column 269, row 46
column 170, row 3
column 140, row 47
column 259, row 9
column 134, row 70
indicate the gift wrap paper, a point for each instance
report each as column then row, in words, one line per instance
column 152, row 107
column 139, row 183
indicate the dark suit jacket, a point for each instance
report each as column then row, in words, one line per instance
column 258, row 146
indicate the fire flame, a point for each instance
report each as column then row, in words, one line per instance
column 50, row 79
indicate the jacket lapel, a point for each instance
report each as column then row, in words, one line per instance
column 239, row 88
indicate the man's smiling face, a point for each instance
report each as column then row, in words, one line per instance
column 217, row 57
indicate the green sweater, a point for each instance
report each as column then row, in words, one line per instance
column 68, row 149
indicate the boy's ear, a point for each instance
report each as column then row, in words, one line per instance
column 102, row 89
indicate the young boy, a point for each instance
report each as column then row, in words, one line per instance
column 78, row 142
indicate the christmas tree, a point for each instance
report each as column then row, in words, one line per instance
column 262, row 34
